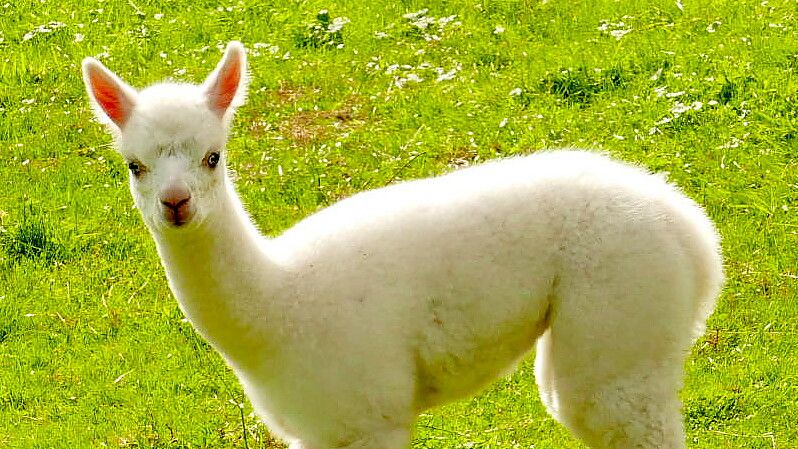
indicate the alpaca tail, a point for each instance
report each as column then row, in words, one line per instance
column 703, row 242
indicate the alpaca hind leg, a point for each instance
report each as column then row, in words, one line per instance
column 610, row 365
column 637, row 409
column 388, row 439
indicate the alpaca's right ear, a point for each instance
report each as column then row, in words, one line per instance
column 113, row 100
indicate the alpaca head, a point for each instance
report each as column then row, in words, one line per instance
column 172, row 136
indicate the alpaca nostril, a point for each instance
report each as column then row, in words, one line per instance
column 175, row 203
column 175, row 196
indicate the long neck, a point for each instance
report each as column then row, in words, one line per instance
column 222, row 277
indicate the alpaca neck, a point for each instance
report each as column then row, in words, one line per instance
column 221, row 276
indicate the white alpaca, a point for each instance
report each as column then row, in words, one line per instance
column 396, row 300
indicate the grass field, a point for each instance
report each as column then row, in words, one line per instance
column 93, row 349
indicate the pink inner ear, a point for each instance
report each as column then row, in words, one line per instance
column 224, row 90
column 110, row 96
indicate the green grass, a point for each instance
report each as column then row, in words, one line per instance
column 94, row 351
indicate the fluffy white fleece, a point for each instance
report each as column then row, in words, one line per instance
column 349, row 324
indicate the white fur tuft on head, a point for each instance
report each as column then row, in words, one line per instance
column 226, row 86
column 111, row 98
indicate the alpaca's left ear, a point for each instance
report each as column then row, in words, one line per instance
column 226, row 87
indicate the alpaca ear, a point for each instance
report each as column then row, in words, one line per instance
column 226, row 87
column 113, row 100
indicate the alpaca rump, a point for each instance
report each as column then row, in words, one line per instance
column 345, row 327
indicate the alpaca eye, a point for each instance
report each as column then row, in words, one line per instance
column 212, row 159
column 135, row 167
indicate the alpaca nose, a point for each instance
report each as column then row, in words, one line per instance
column 175, row 196
column 178, row 209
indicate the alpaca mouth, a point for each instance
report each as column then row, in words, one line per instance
column 177, row 222
column 177, row 217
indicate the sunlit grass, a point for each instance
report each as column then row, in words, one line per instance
column 94, row 351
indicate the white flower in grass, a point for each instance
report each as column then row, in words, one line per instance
column 679, row 108
column 423, row 22
column 656, row 76
column 79, row 38
column 733, row 143
column 618, row 34
column 498, row 30
column 516, row 92
column 503, row 123
column 414, row 15
column 443, row 21
column 337, row 24
column 157, row 16
column 401, row 81
column 616, row 30
column 41, row 29
column 446, row 76
column 273, row 49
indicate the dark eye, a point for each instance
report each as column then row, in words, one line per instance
column 135, row 167
column 212, row 159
